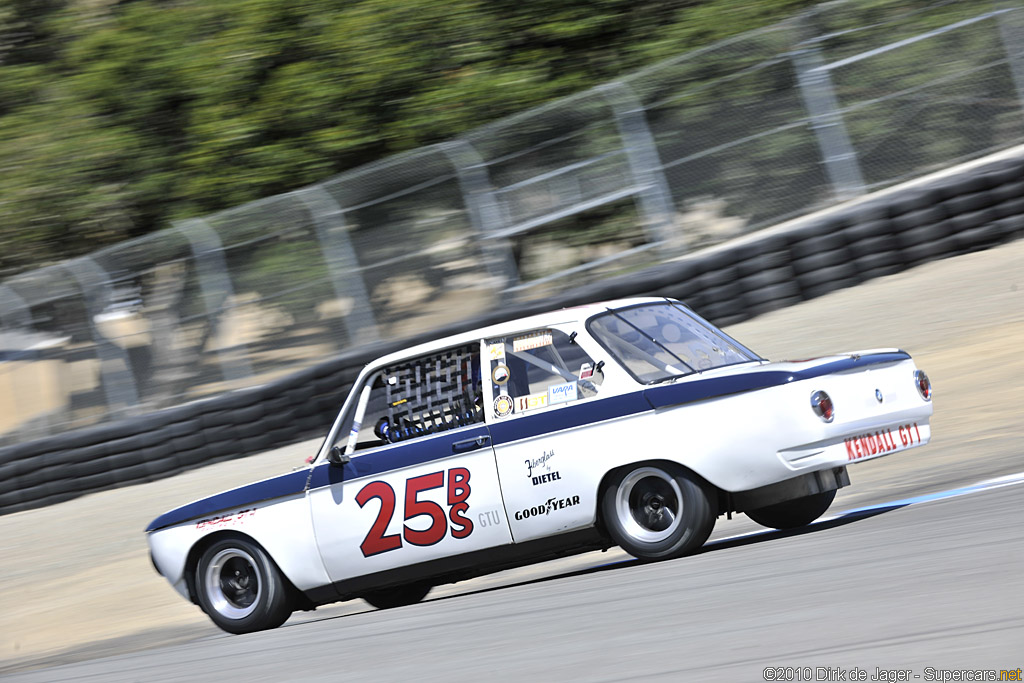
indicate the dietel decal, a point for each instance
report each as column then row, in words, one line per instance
column 547, row 508
column 545, row 478
column 537, row 464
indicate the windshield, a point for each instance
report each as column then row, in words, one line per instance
column 659, row 341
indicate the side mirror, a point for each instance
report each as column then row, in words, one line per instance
column 336, row 456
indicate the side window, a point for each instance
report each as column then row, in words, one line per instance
column 539, row 369
column 425, row 395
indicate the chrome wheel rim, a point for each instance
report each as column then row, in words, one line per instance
column 233, row 583
column 649, row 505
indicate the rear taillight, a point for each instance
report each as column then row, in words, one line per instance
column 924, row 385
column 821, row 404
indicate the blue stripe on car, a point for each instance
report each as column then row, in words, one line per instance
column 664, row 396
column 438, row 447
column 395, row 457
column 276, row 487
column 714, row 387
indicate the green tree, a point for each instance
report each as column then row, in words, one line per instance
column 118, row 117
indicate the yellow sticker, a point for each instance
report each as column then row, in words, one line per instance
column 496, row 351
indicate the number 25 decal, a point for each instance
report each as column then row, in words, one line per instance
column 377, row 542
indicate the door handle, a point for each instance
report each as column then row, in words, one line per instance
column 471, row 444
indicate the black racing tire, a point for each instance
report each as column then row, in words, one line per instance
column 397, row 596
column 969, row 202
column 657, row 511
column 824, row 260
column 240, row 588
column 792, row 514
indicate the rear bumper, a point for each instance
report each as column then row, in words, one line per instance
column 858, row 445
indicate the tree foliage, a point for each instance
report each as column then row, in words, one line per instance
column 118, row 117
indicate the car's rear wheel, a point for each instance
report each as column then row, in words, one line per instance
column 240, row 587
column 794, row 513
column 398, row 596
column 657, row 512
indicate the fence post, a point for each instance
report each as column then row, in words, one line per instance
column 342, row 262
column 115, row 368
column 644, row 162
column 483, row 209
column 1011, row 32
column 217, row 290
column 13, row 309
column 819, row 98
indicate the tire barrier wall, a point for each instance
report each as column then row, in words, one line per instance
column 771, row 269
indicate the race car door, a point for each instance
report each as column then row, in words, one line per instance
column 543, row 384
column 422, row 482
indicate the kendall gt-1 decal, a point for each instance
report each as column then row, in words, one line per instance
column 882, row 441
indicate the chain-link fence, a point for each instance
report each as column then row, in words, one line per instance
column 835, row 103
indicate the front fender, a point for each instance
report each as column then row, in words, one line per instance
column 282, row 527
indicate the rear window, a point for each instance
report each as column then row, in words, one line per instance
column 657, row 342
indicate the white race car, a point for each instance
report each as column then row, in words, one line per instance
column 633, row 423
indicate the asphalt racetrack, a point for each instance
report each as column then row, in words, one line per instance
column 890, row 588
column 905, row 576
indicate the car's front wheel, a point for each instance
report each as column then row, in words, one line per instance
column 657, row 512
column 397, row 596
column 794, row 513
column 240, row 587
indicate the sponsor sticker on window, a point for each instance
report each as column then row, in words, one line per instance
column 531, row 402
column 503, row 405
column 562, row 393
column 500, row 374
column 496, row 351
column 532, row 341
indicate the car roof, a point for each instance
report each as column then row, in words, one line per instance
column 547, row 319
